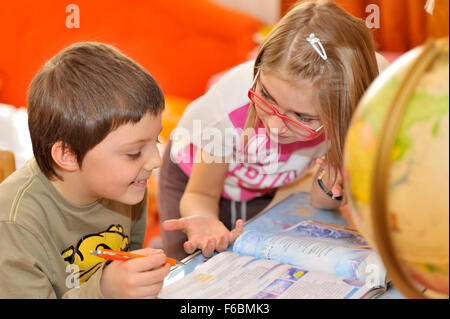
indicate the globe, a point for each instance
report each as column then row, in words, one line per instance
column 396, row 169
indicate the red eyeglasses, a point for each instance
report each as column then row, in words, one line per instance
column 295, row 126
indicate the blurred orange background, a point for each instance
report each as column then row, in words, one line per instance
column 181, row 42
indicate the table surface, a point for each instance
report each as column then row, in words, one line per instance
column 287, row 212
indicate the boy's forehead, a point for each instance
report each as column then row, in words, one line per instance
column 129, row 133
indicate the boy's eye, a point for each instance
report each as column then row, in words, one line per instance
column 134, row 155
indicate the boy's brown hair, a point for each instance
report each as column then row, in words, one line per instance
column 82, row 94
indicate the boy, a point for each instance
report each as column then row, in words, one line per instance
column 94, row 117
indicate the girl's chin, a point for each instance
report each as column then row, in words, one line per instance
column 284, row 139
column 281, row 139
column 287, row 140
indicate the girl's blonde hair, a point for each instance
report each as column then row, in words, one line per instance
column 339, row 81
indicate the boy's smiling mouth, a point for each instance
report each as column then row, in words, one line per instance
column 140, row 182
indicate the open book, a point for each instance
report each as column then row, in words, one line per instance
column 308, row 260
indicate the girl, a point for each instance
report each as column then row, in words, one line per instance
column 296, row 99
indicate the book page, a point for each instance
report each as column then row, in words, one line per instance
column 229, row 275
column 342, row 235
column 315, row 246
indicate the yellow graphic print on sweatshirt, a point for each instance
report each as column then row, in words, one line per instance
column 87, row 264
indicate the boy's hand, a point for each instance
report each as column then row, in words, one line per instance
column 205, row 233
column 135, row 278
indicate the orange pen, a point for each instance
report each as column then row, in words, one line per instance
column 110, row 254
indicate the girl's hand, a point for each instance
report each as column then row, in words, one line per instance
column 205, row 233
column 135, row 278
column 338, row 186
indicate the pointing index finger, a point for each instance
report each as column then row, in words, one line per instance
column 237, row 231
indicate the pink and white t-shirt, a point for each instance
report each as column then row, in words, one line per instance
column 215, row 123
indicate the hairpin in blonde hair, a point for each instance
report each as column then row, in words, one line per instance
column 429, row 6
column 317, row 45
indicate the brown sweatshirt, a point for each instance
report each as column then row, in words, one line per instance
column 45, row 240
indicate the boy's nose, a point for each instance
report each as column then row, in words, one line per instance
column 154, row 161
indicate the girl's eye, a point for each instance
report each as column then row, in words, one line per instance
column 134, row 155
column 265, row 95
column 303, row 119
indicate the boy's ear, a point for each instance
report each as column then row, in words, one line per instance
column 64, row 158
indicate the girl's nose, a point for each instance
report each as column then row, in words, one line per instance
column 276, row 123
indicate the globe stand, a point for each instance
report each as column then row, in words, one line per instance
column 381, row 169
